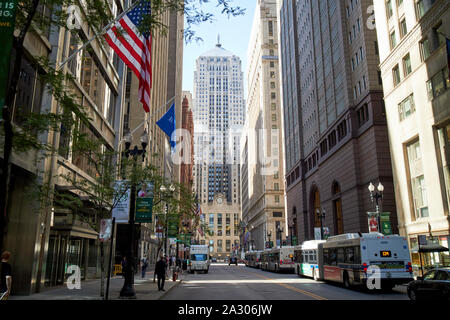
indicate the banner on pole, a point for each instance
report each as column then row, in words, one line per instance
column 105, row 230
column 122, row 210
column 385, row 222
column 373, row 222
column 7, row 22
column 144, row 203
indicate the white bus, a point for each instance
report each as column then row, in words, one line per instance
column 253, row 259
column 199, row 258
column 306, row 259
column 278, row 259
column 352, row 258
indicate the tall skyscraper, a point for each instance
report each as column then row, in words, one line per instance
column 218, row 121
column 335, row 124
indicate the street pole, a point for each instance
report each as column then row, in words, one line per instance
column 321, row 227
column 110, row 257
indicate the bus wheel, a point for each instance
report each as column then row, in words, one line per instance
column 346, row 281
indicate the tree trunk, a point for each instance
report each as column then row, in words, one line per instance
column 7, row 120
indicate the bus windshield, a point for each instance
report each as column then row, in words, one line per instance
column 198, row 257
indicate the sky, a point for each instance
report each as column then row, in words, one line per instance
column 234, row 36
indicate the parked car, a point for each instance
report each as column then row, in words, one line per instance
column 233, row 260
column 435, row 284
column 213, row 259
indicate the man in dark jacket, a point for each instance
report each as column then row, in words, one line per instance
column 160, row 270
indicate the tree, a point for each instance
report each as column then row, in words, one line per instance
column 33, row 132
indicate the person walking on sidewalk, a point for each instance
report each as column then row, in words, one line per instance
column 144, row 266
column 5, row 276
column 160, row 270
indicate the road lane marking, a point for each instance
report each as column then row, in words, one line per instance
column 310, row 294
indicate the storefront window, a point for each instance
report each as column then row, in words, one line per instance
column 430, row 260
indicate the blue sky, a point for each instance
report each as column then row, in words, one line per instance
column 234, row 36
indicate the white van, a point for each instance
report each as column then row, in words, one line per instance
column 199, row 258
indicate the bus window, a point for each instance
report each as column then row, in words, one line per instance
column 340, row 255
column 349, row 255
column 315, row 256
column 332, row 258
column 326, row 256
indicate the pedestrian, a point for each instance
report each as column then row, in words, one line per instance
column 160, row 270
column 5, row 276
column 144, row 266
column 124, row 265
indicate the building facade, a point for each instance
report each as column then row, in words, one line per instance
column 415, row 72
column 264, row 214
column 335, row 129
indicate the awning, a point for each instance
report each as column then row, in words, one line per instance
column 433, row 247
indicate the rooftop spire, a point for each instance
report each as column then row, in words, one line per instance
column 218, row 41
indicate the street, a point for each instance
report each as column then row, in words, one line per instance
column 224, row 282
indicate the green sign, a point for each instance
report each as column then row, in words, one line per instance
column 144, row 210
column 385, row 223
column 185, row 238
column 7, row 22
column 172, row 229
column 294, row 241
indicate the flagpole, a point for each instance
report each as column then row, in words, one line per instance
column 99, row 33
column 149, row 117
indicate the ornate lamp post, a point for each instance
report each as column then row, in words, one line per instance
column 163, row 189
column 321, row 217
column 280, row 231
column 128, row 289
column 269, row 234
column 378, row 195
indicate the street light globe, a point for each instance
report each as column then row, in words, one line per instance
column 371, row 187
column 163, row 188
column 380, row 187
column 172, row 188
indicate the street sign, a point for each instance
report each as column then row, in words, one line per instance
column 7, row 22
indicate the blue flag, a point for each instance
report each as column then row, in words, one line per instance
column 167, row 124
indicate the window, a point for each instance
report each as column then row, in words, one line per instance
column 272, row 85
column 392, row 39
column 425, row 49
column 396, row 75
column 274, row 106
column 389, row 11
column 278, row 214
column 274, row 117
column 270, row 29
column 276, row 186
column 277, row 199
column 362, row 115
column 406, row 107
column 422, row 7
column 403, row 28
column 417, row 183
column 438, row 84
column 332, row 140
column 407, row 69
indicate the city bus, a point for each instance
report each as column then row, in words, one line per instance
column 305, row 259
column 253, row 259
column 353, row 258
column 278, row 259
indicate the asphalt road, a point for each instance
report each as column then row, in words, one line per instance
column 224, row 282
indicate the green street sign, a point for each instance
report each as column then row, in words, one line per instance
column 144, row 210
column 7, row 22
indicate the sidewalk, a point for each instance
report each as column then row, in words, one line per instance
column 145, row 289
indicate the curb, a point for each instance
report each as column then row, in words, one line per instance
column 167, row 291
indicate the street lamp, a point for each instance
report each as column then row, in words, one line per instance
column 321, row 217
column 280, row 231
column 128, row 289
column 378, row 195
column 163, row 190
column 269, row 234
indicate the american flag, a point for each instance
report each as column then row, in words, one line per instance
column 134, row 48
